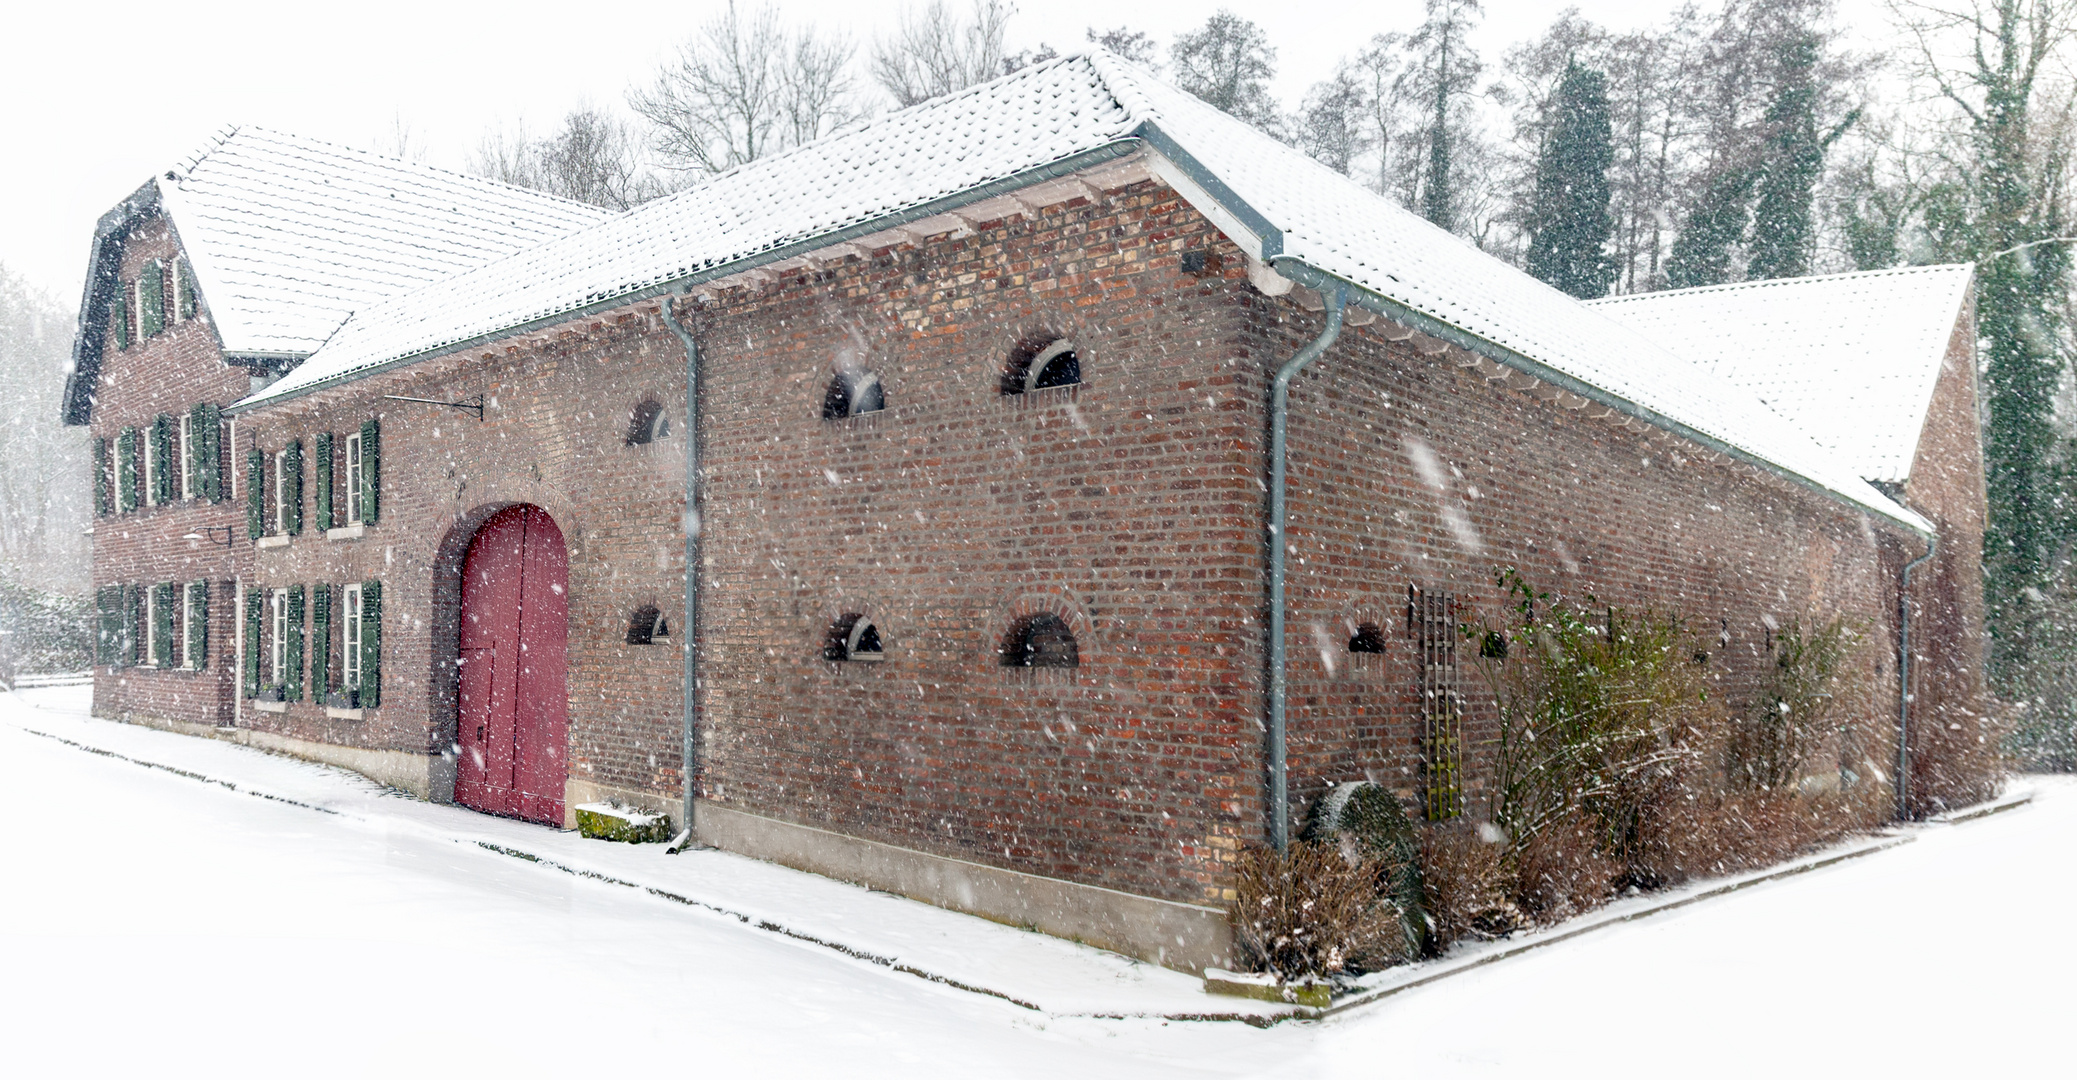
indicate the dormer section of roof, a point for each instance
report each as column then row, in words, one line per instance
column 286, row 237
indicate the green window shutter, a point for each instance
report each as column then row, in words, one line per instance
column 127, row 491
column 108, row 629
column 162, row 596
column 292, row 677
column 119, row 317
column 255, row 494
column 209, row 455
column 161, row 478
column 199, row 445
column 198, row 626
column 151, row 300
column 187, row 290
column 320, row 642
column 371, row 468
column 292, row 475
column 321, row 474
column 126, row 648
column 255, row 601
column 104, row 497
column 371, row 644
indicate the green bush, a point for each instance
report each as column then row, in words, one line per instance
column 1798, row 705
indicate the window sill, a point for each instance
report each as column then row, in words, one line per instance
column 344, row 714
column 346, row 532
column 277, row 540
column 270, row 706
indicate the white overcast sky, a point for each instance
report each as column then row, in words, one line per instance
column 100, row 96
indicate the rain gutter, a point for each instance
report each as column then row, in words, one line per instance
column 1904, row 679
column 1322, row 282
column 1122, row 147
column 1279, row 506
column 688, row 626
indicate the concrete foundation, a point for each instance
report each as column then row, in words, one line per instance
column 1185, row 937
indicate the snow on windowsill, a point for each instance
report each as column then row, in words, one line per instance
column 346, row 532
column 277, row 540
column 343, row 714
column 270, row 706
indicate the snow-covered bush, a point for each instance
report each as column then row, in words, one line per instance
column 1312, row 911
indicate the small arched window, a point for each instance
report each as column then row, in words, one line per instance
column 853, row 637
column 1368, row 639
column 1041, row 641
column 648, row 423
column 647, row 625
column 852, row 393
column 1041, row 363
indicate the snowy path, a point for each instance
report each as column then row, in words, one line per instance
column 151, row 921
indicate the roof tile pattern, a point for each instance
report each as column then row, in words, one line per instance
column 1035, row 117
column 1849, row 358
column 289, row 236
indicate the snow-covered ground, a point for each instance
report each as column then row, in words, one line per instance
column 250, row 915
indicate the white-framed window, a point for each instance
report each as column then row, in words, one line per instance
column 174, row 285
column 151, row 626
column 186, row 456
column 353, row 483
column 350, row 634
column 191, row 619
column 281, row 492
column 277, row 650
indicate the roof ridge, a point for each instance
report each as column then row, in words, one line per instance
column 1804, row 279
column 388, row 161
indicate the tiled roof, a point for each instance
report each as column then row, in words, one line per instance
column 1849, row 358
column 1272, row 199
column 288, row 236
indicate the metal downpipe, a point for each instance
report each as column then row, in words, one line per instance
column 1279, row 422
column 1904, row 679
column 688, row 626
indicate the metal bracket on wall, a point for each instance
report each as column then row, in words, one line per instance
column 474, row 404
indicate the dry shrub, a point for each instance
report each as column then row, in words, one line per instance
column 1365, row 819
column 1312, row 911
column 1467, row 885
column 1605, row 714
column 1772, row 745
column 1561, row 871
column 1710, row 833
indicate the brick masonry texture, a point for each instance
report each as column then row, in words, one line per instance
column 1132, row 506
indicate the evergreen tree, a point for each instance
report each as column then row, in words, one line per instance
column 2013, row 208
column 1446, row 68
column 1570, row 222
column 1793, row 161
column 1711, row 232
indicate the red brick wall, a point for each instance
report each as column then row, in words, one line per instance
column 553, row 434
column 1954, row 741
column 1585, row 510
column 1129, row 506
column 168, row 373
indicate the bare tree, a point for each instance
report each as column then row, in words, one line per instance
column 1228, row 62
column 401, row 140
column 1134, row 45
column 933, row 51
column 1333, row 123
column 743, row 87
column 593, row 158
column 45, row 485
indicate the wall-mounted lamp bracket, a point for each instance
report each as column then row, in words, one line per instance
column 211, row 531
column 474, row 405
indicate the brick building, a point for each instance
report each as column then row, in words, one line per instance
column 977, row 495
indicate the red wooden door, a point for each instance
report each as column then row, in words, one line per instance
column 514, row 715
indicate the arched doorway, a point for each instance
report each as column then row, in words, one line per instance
column 514, row 720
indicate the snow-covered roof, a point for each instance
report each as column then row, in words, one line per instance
column 1054, row 117
column 1849, row 358
column 288, row 236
